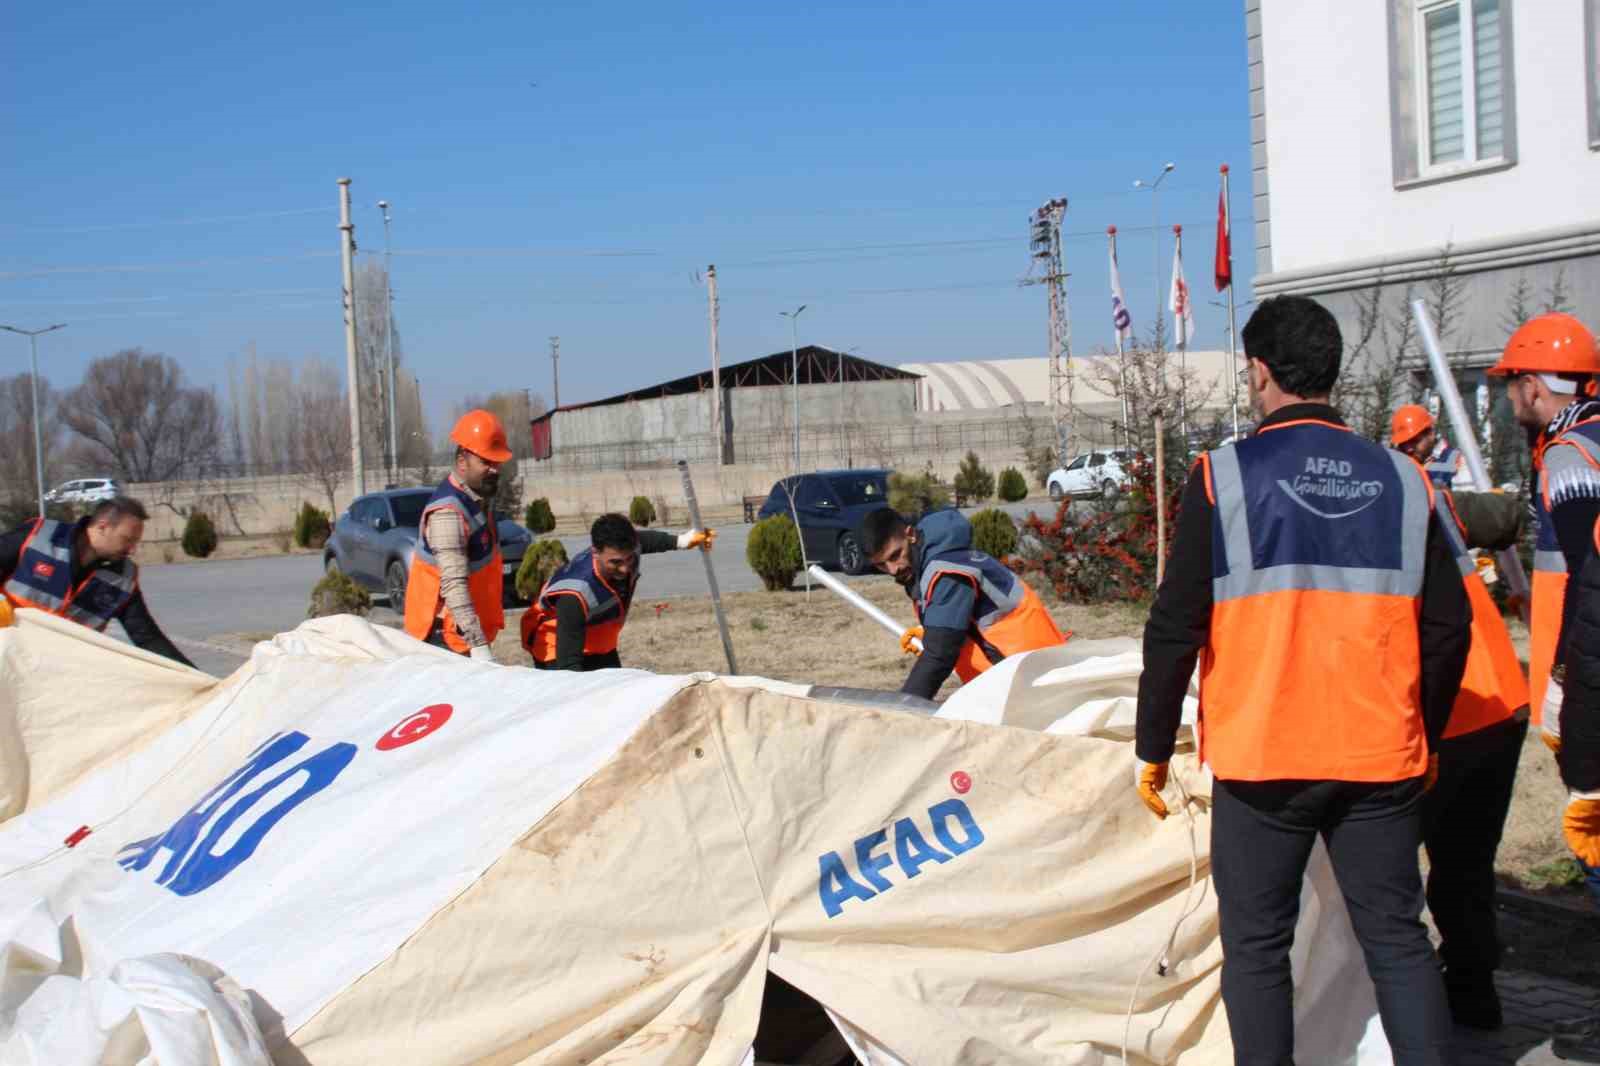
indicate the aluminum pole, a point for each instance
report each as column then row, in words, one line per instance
column 866, row 607
column 1445, row 382
column 711, row 573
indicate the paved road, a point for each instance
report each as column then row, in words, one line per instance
column 199, row 602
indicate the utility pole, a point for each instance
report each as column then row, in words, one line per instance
column 555, row 367
column 794, row 355
column 718, row 433
column 1045, row 246
column 1154, row 185
column 393, row 463
column 347, row 251
column 33, row 384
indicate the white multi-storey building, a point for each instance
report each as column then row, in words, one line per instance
column 1388, row 131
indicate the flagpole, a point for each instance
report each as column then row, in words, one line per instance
column 1233, row 362
column 1183, row 349
column 1122, row 362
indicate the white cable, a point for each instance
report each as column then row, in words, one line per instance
column 1161, row 960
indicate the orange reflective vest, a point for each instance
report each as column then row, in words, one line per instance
column 605, row 609
column 1549, row 564
column 1008, row 617
column 485, row 580
column 1312, row 669
column 43, row 579
column 1492, row 688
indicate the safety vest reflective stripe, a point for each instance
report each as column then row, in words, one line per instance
column 1244, row 579
column 1492, row 687
column 477, row 557
column 1442, row 471
column 605, row 610
column 43, row 579
column 1312, row 670
column 1004, row 601
column 1550, row 564
column 424, row 594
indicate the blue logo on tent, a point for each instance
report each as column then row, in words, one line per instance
column 195, row 864
column 950, row 823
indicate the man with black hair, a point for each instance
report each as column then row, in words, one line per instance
column 971, row 610
column 576, row 621
column 84, row 571
column 1310, row 578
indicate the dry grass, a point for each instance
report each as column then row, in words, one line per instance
column 823, row 641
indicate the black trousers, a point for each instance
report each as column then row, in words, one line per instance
column 1261, row 838
column 1462, row 819
column 609, row 660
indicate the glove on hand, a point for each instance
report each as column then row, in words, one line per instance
column 914, row 633
column 1581, row 826
column 1550, row 727
column 1150, row 778
column 704, row 539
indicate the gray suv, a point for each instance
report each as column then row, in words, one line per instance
column 372, row 543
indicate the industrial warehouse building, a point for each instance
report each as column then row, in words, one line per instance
column 852, row 410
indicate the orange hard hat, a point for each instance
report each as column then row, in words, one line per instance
column 1551, row 343
column 1409, row 423
column 481, row 433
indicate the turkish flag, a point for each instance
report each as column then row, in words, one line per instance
column 1224, row 264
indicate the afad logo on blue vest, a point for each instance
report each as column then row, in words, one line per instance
column 1328, row 483
column 904, row 846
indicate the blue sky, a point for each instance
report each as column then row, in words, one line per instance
column 877, row 162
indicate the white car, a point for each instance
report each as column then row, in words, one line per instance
column 1091, row 474
column 84, row 490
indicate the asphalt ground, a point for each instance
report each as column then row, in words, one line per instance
column 213, row 610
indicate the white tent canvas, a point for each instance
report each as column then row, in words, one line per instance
column 360, row 849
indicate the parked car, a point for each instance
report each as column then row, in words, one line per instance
column 84, row 490
column 830, row 505
column 372, row 542
column 1092, row 474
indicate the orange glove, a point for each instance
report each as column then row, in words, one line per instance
column 914, row 633
column 7, row 615
column 1431, row 777
column 704, row 539
column 1581, row 826
column 1151, row 778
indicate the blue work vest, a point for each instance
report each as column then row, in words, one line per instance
column 43, row 579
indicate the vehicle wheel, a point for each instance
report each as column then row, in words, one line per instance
column 851, row 559
column 1055, row 490
column 1108, row 489
column 394, row 582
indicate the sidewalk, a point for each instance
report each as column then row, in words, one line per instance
column 1533, row 1005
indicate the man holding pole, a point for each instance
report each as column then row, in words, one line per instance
column 972, row 611
column 577, row 620
column 1312, row 583
column 1550, row 364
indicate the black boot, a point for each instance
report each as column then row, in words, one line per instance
column 1474, row 1002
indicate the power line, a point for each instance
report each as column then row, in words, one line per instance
column 190, row 221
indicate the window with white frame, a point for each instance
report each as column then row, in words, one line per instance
column 1452, row 91
column 1462, row 82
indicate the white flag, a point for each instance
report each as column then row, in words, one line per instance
column 1178, row 302
column 1120, row 318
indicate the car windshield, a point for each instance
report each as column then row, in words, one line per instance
column 1077, row 464
column 857, row 489
column 408, row 508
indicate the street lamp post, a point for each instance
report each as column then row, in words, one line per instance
column 1155, row 224
column 388, row 341
column 794, row 354
column 38, row 440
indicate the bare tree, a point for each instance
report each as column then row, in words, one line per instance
column 323, row 456
column 1519, row 305
column 16, row 438
column 1556, row 297
column 137, row 415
